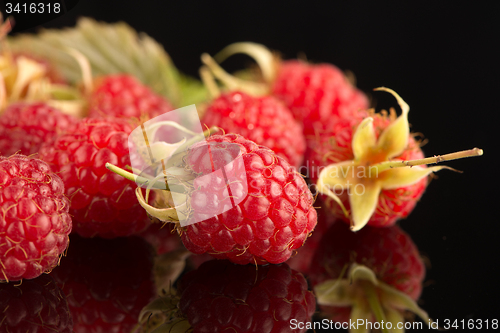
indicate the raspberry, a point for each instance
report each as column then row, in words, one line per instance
column 236, row 200
column 264, row 120
column 388, row 253
column 220, row 296
column 34, row 219
column 335, row 146
column 107, row 282
column 24, row 127
column 371, row 170
column 315, row 93
column 102, row 203
column 267, row 224
column 36, row 305
column 123, row 96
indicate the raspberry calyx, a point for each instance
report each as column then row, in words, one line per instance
column 231, row 82
column 170, row 177
column 375, row 166
column 25, row 77
column 267, row 61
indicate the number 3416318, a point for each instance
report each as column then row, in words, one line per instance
column 470, row 324
column 33, row 8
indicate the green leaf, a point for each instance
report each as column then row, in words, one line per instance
column 192, row 91
column 110, row 49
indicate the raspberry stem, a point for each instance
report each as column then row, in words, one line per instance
column 429, row 160
column 172, row 160
column 143, row 181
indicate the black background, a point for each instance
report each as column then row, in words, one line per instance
column 441, row 57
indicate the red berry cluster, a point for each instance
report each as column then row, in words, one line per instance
column 71, row 189
column 245, row 199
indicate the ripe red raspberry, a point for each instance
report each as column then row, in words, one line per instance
column 107, row 282
column 264, row 225
column 371, row 170
column 123, row 96
column 264, row 120
column 335, row 146
column 36, row 305
column 34, row 218
column 220, row 296
column 24, row 127
column 386, row 255
column 316, row 93
column 102, row 203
